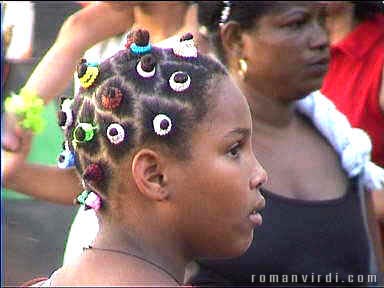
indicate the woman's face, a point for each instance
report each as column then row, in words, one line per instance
column 217, row 190
column 287, row 50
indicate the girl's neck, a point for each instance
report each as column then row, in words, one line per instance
column 152, row 249
column 163, row 20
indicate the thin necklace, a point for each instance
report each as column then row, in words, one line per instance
column 135, row 256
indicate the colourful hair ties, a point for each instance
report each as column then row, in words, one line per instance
column 28, row 108
column 186, row 46
column 94, row 173
column 115, row 133
column 179, row 81
column 140, row 49
column 83, row 132
column 87, row 73
column 146, row 67
column 93, row 201
column 140, row 43
column 66, row 159
column 65, row 117
column 111, row 98
column 162, row 124
column 89, row 199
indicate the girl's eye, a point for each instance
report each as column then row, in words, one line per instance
column 234, row 150
column 296, row 24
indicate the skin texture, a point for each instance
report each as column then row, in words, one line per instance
column 279, row 49
column 79, row 32
column 223, row 177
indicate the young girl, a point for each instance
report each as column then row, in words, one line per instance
column 168, row 178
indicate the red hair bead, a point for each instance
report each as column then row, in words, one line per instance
column 111, row 98
column 93, row 173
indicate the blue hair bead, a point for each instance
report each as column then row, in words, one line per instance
column 66, row 159
column 136, row 49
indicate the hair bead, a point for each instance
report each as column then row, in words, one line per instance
column 65, row 117
column 66, row 159
column 89, row 199
column 83, row 132
column 115, row 133
column 186, row 46
column 179, row 81
column 93, row 172
column 82, row 197
column 111, row 98
column 62, row 118
column 87, row 73
column 141, row 43
column 92, row 201
column 162, row 124
column 147, row 66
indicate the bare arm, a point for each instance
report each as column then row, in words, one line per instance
column 79, row 32
column 46, row 183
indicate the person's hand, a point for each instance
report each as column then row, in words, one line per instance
column 15, row 146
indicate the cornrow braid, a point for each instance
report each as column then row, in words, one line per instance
column 130, row 101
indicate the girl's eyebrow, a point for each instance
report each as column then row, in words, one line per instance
column 245, row 132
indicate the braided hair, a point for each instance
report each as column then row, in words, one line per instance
column 140, row 97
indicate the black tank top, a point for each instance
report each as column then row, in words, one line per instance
column 298, row 237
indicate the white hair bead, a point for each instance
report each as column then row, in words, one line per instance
column 162, row 124
column 178, row 86
column 115, row 133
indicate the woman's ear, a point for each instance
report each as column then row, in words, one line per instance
column 231, row 37
column 149, row 174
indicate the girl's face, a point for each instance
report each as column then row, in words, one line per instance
column 287, row 50
column 217, row 191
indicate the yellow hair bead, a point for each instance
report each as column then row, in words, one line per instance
column 89, row 77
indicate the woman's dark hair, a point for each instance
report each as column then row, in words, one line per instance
column 365, row 10
column 122, row 96
column 245, row 13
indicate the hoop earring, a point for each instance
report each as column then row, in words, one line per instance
column 243, row 68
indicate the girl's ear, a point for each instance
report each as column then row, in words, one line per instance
column 149, row 174
column 231, row 37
